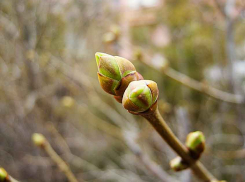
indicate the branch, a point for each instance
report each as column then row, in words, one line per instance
column 198, row 86
column 166, row 133
column 40, row 141
column 154, row 168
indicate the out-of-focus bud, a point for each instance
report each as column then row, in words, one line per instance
column 3, row 175
column 140, row 96
column 38, row 139
column 195, row 143
column 115, row 29
column 115, row 73
column 109, row 37
column 177, row 164
column 138, row 55
column 67, row 101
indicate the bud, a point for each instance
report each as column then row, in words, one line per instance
column 177, row 164
column 109, row 37
column 195, row 142
column 3, row 175
column 67, row 101
column 38, row 139
column 115, row 29
column 114, row 73
column 140, row 95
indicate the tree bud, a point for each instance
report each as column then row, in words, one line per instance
column 195, row 142
column 177, row 164
column 115, row 73
column 38, row 139
column 140, row 95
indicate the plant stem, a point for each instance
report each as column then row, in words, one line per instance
column 166, row 133
column 59, row 161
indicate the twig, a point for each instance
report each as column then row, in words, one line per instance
column 199, row 86
column 166, row 133
column 238, row 154
column 154, row 168
column 41, row 141
column 220, row 8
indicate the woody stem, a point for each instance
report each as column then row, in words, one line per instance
column 166, row 133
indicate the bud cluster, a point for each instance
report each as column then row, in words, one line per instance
column 118, row 77
column 195, row 143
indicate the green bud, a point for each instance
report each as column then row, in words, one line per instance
column 3, row 175
column 114, row 73
column 38, row 139
column 109, row 37
column 140, row 95
column 195, row 142
column 177, row 164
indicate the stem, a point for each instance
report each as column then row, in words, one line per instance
column 166, row 133
column 12, row 179
column 59, row 161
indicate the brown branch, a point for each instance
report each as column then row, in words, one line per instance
column 153, row 167
column 40, row 141
column 198, row 86
column 166, row 133
column 220, row 7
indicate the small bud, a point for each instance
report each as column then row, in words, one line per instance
column 138, row 55
column 67, row 101
column 195, row 142
column 38, row 139
column 115, row 29
column 177, row 164
column 114, row 73
column 109, row 37
column 3, row 175
column 140, row 95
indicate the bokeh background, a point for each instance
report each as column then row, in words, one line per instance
column 49, row 85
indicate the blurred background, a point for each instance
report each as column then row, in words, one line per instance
column 49, row 85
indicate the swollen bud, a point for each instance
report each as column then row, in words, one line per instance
column 177, row 164
column 140, row 96
column 3, row 175
column 38, row 139
column 115, row 73
column 195, row 143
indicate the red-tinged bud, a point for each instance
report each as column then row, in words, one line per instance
column 140, row 96
column 115, row 73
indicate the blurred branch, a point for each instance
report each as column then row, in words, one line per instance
column 155, row 169
column 220, row 7
column 40, row 141
column 238, row 154
column 199, row 86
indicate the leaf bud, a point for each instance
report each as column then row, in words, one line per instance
column 115, row 73
column 140, row 96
